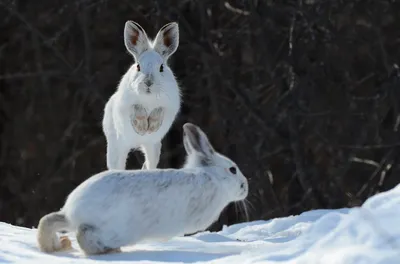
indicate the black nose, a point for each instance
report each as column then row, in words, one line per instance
column 148, row 83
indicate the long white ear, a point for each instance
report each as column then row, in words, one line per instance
column 186, row 144
column 167, row 40
column 196, row 140
column 136, row 41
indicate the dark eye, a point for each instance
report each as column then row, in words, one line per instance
column 138, row 67
column 232, row 170
column 161, row 68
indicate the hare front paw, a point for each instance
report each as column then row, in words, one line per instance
column 139, row 119
column 155, row 119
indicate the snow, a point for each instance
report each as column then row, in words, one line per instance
column 367, row 234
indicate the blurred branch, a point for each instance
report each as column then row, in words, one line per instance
column 381, row 166
column 298, row 88
column 77, row 153
column 236, row 10
column 10, row 76
column 34, row 30
column 293, row 125
column 39, row 62
column 365, row 161
column 254, row 112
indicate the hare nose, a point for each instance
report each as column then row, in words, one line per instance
column 148, row 83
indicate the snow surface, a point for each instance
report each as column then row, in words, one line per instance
column 368, row 234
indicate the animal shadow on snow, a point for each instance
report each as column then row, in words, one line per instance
column 163, row 255
column 166, row 255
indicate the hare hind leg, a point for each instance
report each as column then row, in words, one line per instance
column 90, row 240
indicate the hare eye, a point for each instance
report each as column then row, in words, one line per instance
column 232, row 170
column 161, row 68
column 138, row 67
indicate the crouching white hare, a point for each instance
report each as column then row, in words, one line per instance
column 116, row 208
column 142, row 110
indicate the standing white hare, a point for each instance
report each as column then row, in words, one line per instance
column 116, row 208
column 142, row 110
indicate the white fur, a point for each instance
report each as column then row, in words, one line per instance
column 127, row 207
column 120, row 135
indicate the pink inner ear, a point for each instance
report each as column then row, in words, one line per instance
column 167, row 37
column 135, row 36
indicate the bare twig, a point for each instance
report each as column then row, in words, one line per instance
column 365, row 161
column 384, row 161
column 39, row 34
column 383, row 174
column 292, row 123
column 21, row 75
column 254, row 112
column 77, row 153
column 236, row 10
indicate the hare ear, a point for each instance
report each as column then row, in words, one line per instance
column 197, row 140
column 136, row 41
column 186, row 144
column 167, row 40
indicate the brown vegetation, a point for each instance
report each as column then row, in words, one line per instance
column 302, row 92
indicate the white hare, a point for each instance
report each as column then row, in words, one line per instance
column 116, row 208
column 142, row 110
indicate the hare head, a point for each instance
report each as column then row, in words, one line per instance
column 200, row 153
column 152, row 74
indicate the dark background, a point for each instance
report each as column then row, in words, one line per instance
column 305, row 93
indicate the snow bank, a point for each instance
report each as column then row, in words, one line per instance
column 369, row 234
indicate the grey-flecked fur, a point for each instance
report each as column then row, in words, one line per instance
column 116, row 208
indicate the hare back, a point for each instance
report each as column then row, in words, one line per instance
column 146, row 205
